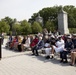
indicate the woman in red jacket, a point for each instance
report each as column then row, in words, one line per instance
column 34, row 42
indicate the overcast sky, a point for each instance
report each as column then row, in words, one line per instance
column 24, row 9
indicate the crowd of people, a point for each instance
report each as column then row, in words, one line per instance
column 51, row 43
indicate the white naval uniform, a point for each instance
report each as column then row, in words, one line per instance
column 59, row 47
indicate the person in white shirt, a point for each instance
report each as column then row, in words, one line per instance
column 27, row 43
column 58, row 47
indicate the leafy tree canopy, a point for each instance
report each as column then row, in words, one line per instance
column 36, row 28
column 4, row 27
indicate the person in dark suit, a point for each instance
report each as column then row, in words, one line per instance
column 38, row 46
column 74, row 40
column 68, row 47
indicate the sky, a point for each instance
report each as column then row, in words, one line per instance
column 24, row 9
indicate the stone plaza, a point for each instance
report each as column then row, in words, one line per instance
column 22, row 63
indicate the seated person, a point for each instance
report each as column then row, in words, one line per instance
column 9, row 41
column 68, row 47
column 38, row 46
column 48, row 48
column 27, row 42
column 73, row 57
column 15, row 39
column 19, row 44
column 74, row 40
column 47, row 41
column 48, row 51
column 34, row 42
column 23, row 43
column 58, row 47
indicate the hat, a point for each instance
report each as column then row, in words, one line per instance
column 59, row 35
column 74, row 35
column 69, row 37
column 52, row 36
column 46, row 37
column 40, row 38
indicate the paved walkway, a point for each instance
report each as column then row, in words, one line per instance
column 16, row 63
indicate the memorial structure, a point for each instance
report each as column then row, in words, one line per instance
column 63, row 22
column 39, row 19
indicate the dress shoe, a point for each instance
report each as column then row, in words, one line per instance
column 52, row 57
column 71, row 64
column 65, row 61
column 37, row 55
column 47, row 57
column 32, row 54
column 61, row 61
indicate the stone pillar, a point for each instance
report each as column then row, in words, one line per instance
column 63, row 22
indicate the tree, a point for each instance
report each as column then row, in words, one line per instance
column 71, row 10
column 52, row 12
column 50, row 26
column 33, row 17
column 17, row 28
column 36, row 28
column 4, row 27
column 45, row 13
column 9, row 21
column 25, row 27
